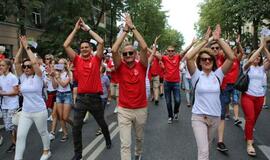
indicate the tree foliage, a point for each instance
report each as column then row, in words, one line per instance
column 233, row 15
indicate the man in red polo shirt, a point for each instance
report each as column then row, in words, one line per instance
column 132, row 108
column 87, row 67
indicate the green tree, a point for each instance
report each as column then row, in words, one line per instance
column 172, row 37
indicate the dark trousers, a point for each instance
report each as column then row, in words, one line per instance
column 91, row 103
column 169, row 88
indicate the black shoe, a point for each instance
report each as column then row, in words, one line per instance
column 98, row 132
column 77, row 157
column 139, row 157
column 156, row 102
column 11, row 148
column 109, row 145
column 237, row 122
column 161, row 95
column 221, row 147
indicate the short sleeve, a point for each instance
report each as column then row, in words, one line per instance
column 219, row 74
column 14, row 81
column 195, row 76
column 76, row 59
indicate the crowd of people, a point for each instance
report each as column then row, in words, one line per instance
column 88, row 79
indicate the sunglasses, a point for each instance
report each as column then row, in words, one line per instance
column 206, row 59
column 48, row 59
column 127, row 53
column 170, row 50
column 215, row 48
column 26, row 66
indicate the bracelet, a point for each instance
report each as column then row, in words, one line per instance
column 125, row 30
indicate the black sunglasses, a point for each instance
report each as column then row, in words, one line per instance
column 130, row 53
column 213, row 48
column 206, row 59
column 26, row 66
column 170, row 50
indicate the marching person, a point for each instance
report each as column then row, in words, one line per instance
column 132, row 108
column 87, row 68
column 252, row 99
column 34, row 108
column 206, row 80
column 10, row 101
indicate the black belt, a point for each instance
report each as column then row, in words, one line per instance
column 89, row 94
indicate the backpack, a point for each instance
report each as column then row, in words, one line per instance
column 193, row 91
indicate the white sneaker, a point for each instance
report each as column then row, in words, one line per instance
column 50, row 118
column 170, row 120
column 60, row 130
column 46, row 156
column 1, row 140
column 115, row 110
column 51, row 136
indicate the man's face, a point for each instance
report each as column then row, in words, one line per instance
column 129, row 54
column 215, row 47
column 170, row 51
column 85, row 49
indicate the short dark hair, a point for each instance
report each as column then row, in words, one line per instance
column 208, row 52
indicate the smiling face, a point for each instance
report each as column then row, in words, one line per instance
column 85, row 49
column 28, row 68
column 206, row 62
column 215, row 48
column 170, row 51
column 129, row 54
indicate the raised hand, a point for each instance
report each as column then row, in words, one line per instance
column 217, row 32
column 78, row 24
column 238, row 39
column 207, row 34
column 84, row 26
column 24, row 42
column 129, row 21
column 156, row 39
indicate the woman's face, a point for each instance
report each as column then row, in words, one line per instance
column 4, row 68
column 206, row 61
column 28, row 68
column 257, row 60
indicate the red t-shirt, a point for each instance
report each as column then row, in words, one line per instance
column 220, row 59
column 88, row 74
column 132, row 89
column 112, row 73
column 232, row 75
column 155, row 67
column 171, row 64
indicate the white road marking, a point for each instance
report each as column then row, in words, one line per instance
column 102, row 146
column 88, row 148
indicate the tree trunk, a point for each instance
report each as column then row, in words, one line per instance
column 255, row 33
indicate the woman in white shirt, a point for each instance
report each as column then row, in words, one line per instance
column 10, row 102
column 252, row 99
column 61, row 82
column 34, row 108
column 206, row 79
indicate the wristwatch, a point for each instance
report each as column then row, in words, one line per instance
column 132, row 28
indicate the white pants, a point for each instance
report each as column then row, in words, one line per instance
column 25, row 122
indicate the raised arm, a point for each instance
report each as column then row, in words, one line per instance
column 70, row 52
column 139, row 38
column 226, row 48
column 153, row 52
column 239, row 48
column 115, row 48
column 190, row 56
column 254, row 56
column 188, row 47
column 100, row 46
column 31, row 56
column 17, row 61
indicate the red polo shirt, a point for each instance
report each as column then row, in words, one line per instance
column 132, row 90
column 171, row 64
column 232, row 75
column 155, row 67
column 112, row 73
column 88, row 74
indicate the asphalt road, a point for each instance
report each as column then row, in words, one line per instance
column 162, row 141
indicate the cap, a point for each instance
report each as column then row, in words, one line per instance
column 2, row 49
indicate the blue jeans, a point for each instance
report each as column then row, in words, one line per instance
column 169, row 88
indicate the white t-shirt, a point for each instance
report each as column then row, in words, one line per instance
column 49, row 84
column 7, row 83
column 207, row 92
column 31, row 89
column 64, row 76
column 256, row 81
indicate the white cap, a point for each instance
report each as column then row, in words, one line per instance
column 2, row 49
column 93, row 42
column 109, row 54
column 33, row 44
